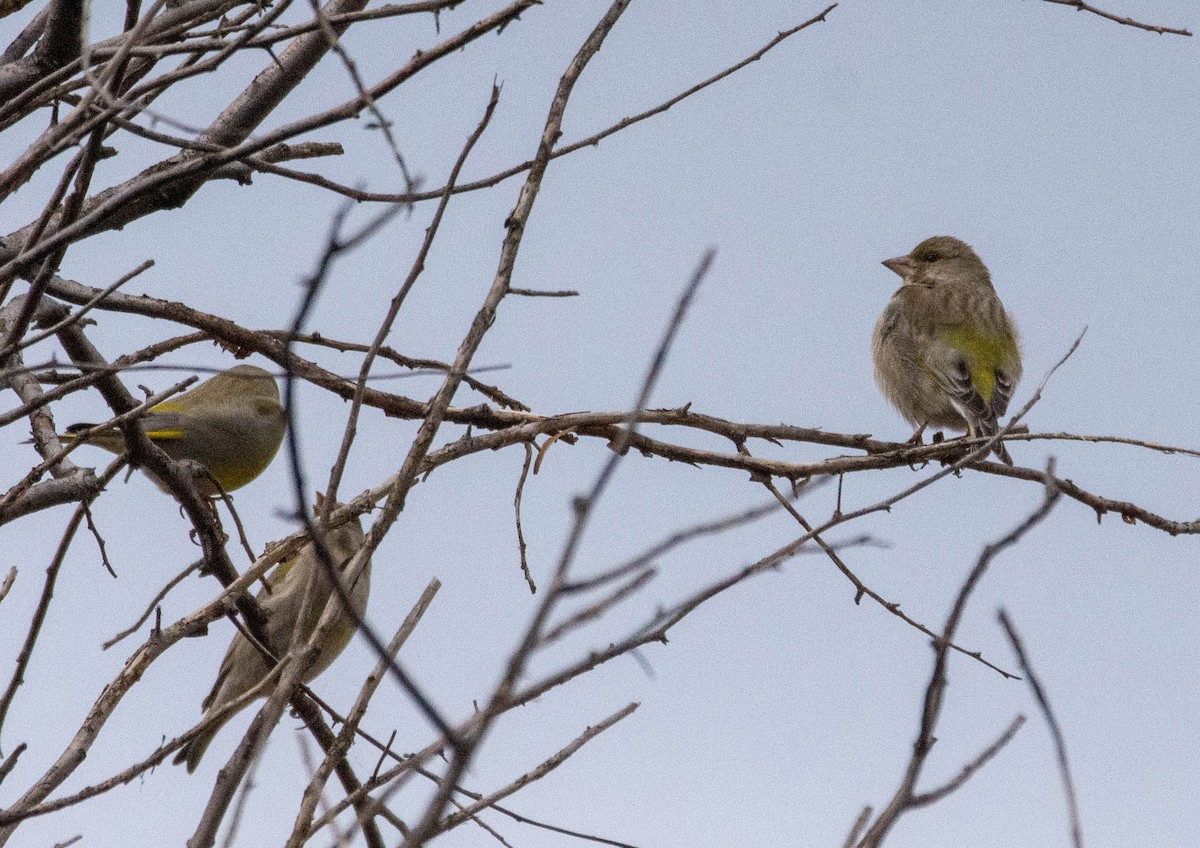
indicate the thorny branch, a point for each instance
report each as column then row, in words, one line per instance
column 906, row 797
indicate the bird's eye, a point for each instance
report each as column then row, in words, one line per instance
column 929, row 255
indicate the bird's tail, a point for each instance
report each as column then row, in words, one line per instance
column 194, row 750
column 110, row 440
column 986, row 429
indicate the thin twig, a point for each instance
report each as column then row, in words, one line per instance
column 78, row 314
column 517, row 512
column 516, row 222
column 304, row 827
column 542, row 293
column 39, row 614
column 856, row 828
column 153, row 605
column 8, row 582
column 336, row 246
column 861, row 589
column 902, row 801
column 1130, row 22
column 1060, row 744
column 239, row 807
column 541, row 771
column 389, row 319
column 924, row 799
column 590, row 141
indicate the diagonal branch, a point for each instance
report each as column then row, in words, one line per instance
column 61, row 39
column 903, row 800
column 1060, row 744
column 1081, row 6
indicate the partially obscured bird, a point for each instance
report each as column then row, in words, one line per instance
column 244, row 666
column 946, row 352
column 232, row 424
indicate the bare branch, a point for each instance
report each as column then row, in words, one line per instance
column 903, row 800
column 39, row 615
column 517, row 512
column 1060, row 745
column 1087, row 7
column 934, row 795
column 59, row 29
column 454, row 820
column 153, row 605
column 591, row 141
column 515, row 224
column 304, row 826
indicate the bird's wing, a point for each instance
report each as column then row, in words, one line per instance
column 222, row 675
column 961, row 385
column 163, row 425
column 1002, row 393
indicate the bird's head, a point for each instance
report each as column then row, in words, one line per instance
column 940, row 259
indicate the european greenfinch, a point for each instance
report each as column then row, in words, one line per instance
column 232, row 424
column 946, row 352
column 289, row 617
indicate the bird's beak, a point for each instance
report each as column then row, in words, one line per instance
column 902, row 265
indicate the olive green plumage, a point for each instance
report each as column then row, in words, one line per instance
column 946, row 352
column 288, row 615
column 232, row 424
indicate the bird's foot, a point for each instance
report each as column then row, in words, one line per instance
column 915, row 439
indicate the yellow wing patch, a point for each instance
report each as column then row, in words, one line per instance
column 165, row 434
column 985, row 354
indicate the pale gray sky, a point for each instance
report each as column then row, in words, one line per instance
column 1062, row 146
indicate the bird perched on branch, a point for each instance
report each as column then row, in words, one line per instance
column 297, row 594
column 946, row 352
column 232, row 424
